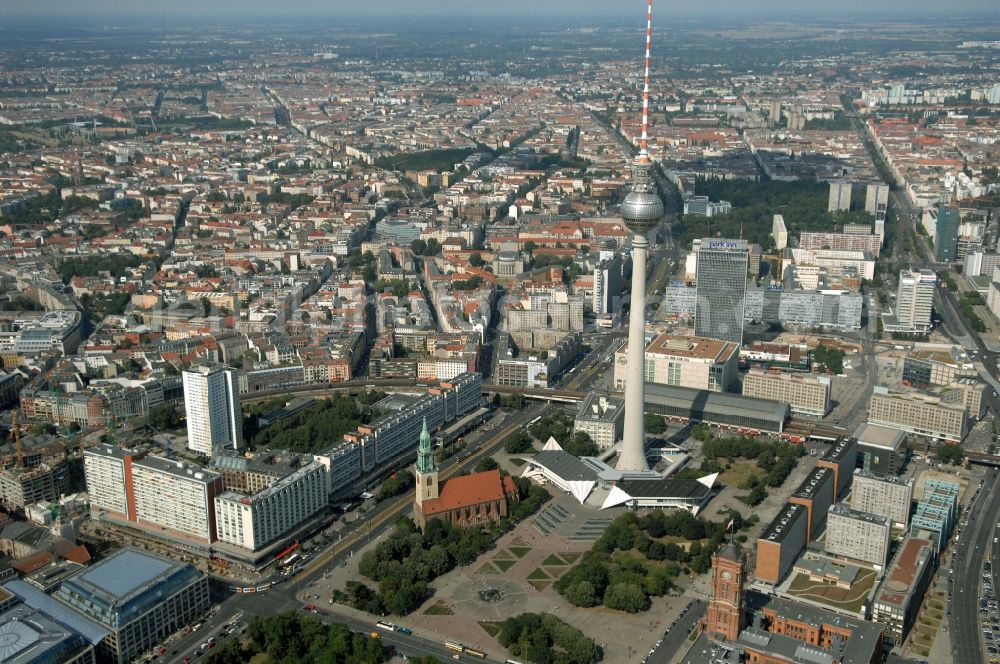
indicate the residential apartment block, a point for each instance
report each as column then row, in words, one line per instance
column 254, row 521
column 806, row 394
column 174, row 499
column 858, row 535
column 918, row 413
column 890, row 497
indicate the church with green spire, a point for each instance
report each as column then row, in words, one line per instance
column 465, row 500
column 426, row 473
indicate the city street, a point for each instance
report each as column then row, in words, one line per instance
column 975, row 540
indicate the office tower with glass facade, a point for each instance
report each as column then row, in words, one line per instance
column 722, row 285
column 946, row 233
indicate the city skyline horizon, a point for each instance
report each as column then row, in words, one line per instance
column 388, row 11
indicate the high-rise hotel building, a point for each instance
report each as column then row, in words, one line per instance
column 722, row 285
column 212, row 403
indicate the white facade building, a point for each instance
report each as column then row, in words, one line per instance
column 252, row 522
column 177, row 496
column 915, row 300
column 212, row 403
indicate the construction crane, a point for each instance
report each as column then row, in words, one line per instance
column 17, row 439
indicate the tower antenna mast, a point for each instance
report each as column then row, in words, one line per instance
column 644, row 138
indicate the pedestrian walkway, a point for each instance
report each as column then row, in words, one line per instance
column 591, row 530
column 550, row 519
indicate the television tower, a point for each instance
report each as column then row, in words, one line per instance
column 641, row 212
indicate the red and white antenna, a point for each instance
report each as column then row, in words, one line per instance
column 643, row 141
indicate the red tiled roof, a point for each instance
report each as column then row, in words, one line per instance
column 33, row 562
column 469, row 490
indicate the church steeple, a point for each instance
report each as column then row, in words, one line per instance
column 425, row 454
column 426, row 476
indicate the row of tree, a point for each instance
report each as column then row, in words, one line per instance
column 610, row 574
column 315, row 428
column 560, row 426
column 543, row 638
column 293, row 638
column 777, row 459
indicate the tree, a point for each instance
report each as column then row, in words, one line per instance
column 654, row 424
column 475, row 260
column 626, row 597
column 517, row 442
column 951, row 454
column 511, row 402
column 401, row 482
column 579, row 444
column 486, row 463
column 164, row 417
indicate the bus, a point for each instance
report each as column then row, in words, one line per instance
column 454, row 646
column 475, row 653
column 290, row 560
column 385, row 625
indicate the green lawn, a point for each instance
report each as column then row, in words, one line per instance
column 439, row 608
column 538, row 573
column 504, row 565
column 519, row 551
column 553, row 559
column 738, row 473
column 487, row 568
column 491, row 628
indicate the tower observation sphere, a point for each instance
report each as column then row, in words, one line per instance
column 642, row 209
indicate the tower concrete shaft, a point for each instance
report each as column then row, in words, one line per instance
column 633, row 455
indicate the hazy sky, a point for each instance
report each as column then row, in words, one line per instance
column 306, row 9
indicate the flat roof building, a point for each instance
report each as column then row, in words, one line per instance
column 897, row 600
column 914, row 302
column 602, row 418
column 721, row 289
column 923, row 368
column 881, row 448
column 140, row 598
column 890, row 497
column 696, row 362
column 918, row 413
column 730, row 411
column 252, row 522
column 170, row 499
column 936, row 512
column 781, row 542
column 212, row 404
column 858, row 535
column 805, row 394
